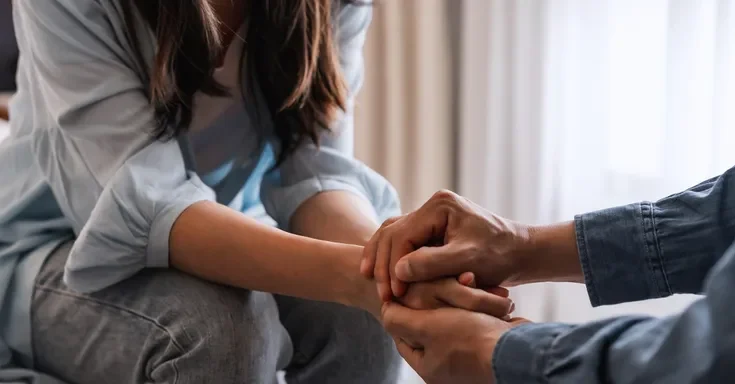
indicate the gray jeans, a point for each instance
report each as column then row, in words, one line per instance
column 163, row 326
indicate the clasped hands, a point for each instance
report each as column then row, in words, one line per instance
column 459, row 255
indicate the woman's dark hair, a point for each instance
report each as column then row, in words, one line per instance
column 290, row 47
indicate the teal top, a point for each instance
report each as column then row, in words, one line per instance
column 80, row 161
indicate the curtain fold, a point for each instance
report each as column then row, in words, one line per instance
column 405, row 112
column 587, row 105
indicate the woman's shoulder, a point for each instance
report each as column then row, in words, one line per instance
column 100, row 17
column 83, row 11
column 352, row 17
column 90, row 25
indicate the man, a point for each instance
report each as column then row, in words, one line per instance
column 680, row 244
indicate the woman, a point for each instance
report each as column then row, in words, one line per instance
column 141, row 132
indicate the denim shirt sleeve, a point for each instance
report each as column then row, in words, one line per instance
column 695, row 346
column 120, row 190
column 650, row 250
column 332, row 166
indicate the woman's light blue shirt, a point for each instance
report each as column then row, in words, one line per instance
column 80, row 161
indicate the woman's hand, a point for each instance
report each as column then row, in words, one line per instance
column 458, row 293
column 470, row 239
column 447, row 292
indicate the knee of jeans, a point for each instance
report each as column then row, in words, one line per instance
column 354, row 337
column 233, row 337
column 368, row 344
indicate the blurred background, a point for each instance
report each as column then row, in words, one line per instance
column 542, row 109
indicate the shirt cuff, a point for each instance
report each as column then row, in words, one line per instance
column 620, row 255
column 284, row 202
column 157, row 251
column 522, row 354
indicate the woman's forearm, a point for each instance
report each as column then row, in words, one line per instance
column 221, row 245
column 335, row 216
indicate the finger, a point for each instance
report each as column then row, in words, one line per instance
column 428, row 223
column 404, row 323
column 413, row 356
column 367, row 265
column 500, row 291
column 381, row 273
column 430, row 263
column 475, row 300
column 398, row 250
column 467, row 279
column 368, row 256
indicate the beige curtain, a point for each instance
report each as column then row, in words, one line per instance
column 405, row 115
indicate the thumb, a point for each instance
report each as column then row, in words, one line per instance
column 429, row 263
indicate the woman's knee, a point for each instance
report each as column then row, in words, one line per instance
column 158, row 326
column 339, row 338
column 233, row 338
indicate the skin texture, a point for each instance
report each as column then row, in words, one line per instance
column 449, row 236
column 467, row 238
column 447, row 345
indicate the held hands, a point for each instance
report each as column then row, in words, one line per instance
column 447, row 345
column 469, row 239
column 454, row 292
column 454, row 342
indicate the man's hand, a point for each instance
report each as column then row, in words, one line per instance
column 450, row 235
column 446, row 345
column 469, row 239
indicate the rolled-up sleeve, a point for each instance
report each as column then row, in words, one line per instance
column 120, row 189
column 332, row 166
column 696, row 346
column 650, row 250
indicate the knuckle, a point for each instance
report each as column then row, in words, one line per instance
column 390, row 221
column 389, row 320
column 445, row 195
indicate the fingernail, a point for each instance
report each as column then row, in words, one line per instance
column 362, row 265
column 512, row 307
column 403, row 270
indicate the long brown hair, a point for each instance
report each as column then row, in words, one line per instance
column 291, row 48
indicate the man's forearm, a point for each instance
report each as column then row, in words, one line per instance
column 551, row 255
column 638, row 251
column 695, row 346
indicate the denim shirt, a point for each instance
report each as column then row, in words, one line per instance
column 680, row 244
column 80, row 161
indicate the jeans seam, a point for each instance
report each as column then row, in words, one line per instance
column 119, row 308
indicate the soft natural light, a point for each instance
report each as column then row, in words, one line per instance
column 636, row 101
column 657, row 76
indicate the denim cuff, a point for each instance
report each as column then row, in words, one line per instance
column 620, row 255
column 522, row 354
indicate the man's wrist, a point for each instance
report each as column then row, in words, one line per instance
column 549, row 254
